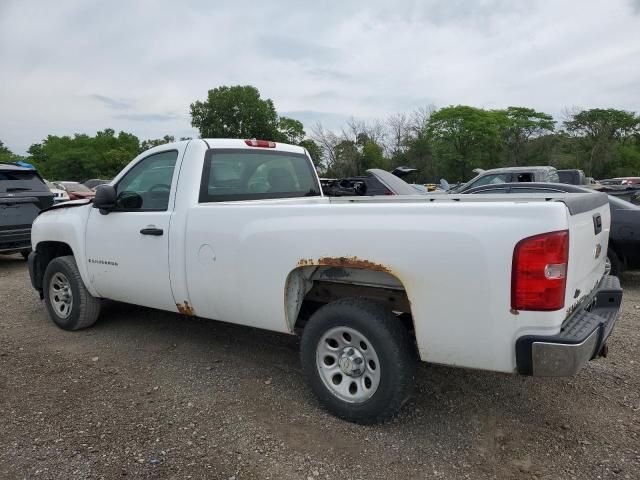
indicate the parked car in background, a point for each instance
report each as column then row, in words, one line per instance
column 624, row 237
column 509, row 175
column 610, row 181
column 94, row 182
column 620, row 181
column 59, row 195
column 630, row 193
column 75, row 190
column 629, row 180
column 572, row 177
column 376, row 182
column 23, row 194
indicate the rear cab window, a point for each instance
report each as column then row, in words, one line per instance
column 243, row 174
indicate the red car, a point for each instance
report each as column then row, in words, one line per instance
column 76, row 191
column 629, row 180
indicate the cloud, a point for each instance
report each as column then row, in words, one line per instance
column 114, row 103
column 330, row 120
column 296, row 49
column 147, row 117
column 78, row 66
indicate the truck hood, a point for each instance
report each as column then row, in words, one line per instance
column 69, row 204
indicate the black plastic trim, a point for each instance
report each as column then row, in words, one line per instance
column 69, row 204
column 35, row 271
column 598, row 311
column 577, row 204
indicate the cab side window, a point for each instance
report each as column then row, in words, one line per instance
column 146, row 187
column 524, row 177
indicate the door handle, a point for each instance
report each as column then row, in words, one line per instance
column 156, row 232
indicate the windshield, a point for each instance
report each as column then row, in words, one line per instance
column 16, row 181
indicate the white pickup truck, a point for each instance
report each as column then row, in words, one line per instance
column 240, row 231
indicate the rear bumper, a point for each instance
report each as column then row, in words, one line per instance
column 583, row 336
column 15, row 240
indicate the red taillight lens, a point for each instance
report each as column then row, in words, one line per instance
column 260, row 143
column 539, row 272
column 388, row 192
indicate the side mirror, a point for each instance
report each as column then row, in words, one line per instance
column 105, row 198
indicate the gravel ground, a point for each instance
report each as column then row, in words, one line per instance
column 149, row 394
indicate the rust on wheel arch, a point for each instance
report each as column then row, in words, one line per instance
column 186, row 309
column 351, row 262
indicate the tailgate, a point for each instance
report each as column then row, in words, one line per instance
column 18, row 212
column 589, row 225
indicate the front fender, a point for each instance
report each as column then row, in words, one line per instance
column 68, row 226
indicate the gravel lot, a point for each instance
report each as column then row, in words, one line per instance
column 148, row 394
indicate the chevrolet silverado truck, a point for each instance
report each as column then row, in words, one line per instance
column 240, row 231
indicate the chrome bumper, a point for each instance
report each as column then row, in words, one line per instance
column 583, row 336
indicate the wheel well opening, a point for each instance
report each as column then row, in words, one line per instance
column 47, row 251
column 311, row 287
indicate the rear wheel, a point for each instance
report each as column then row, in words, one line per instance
column 358, row 359
column 68, row 302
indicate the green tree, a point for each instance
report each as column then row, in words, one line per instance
column 347, row 159
column 464, row 137
column 5, row 154
column 289, row 131
column 315, row 152
column 419, row 155
column 150, row 143
column 81, row 157
column 235, row 112
column 372, row 157
column 519, row 125
column 599, row 130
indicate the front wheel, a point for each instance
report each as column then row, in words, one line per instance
column 359, row 360
column 68, row 301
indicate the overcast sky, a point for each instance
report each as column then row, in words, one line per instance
column 81, row 66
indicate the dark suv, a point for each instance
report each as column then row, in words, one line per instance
column 23, row 194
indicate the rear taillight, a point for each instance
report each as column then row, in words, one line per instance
column 260, row 143
column 539, row 272
column 388, row 192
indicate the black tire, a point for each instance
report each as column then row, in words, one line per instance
column 83, row 310
column 617, row 267
column 391, row 343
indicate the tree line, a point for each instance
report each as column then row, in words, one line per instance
column 448, row 142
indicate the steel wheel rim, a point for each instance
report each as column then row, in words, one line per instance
column 337, row 355
column 60, row 294
column 607, row 266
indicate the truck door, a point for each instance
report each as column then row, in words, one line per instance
column 128, row 248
